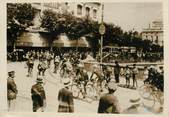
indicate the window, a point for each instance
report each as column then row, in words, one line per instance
column 94, row 13
column 79, row 9
column 87, row 11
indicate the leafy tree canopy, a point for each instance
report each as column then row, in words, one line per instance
column 19, row 17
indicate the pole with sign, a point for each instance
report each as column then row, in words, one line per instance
column 102, row 30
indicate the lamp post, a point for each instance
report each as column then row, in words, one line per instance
column 102, row 32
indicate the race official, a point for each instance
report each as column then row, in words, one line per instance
column 65, row 98
column 109, row 103
column 11, row 89
column 38, row 96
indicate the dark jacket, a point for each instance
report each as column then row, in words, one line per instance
column 65, row 98
column 108, row 104
column 117, row 69
column 38, row 96
column 11, row 89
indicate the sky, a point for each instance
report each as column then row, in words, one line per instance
column 131, row 16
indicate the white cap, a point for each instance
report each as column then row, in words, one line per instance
column 152, row 67
column 66, row 82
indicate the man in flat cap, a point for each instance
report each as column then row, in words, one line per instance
column 117, row 71
column 38, row 96
column 11, row 88
column 108, row 103
column 134, row 73
column 65, row 98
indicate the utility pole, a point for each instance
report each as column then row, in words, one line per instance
column 102, row 32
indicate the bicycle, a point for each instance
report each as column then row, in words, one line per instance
column 95, row 88
column 151, row 95
column 77, row 88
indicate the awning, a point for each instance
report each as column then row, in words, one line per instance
column 36, row 39
column 64, row 41
column 32, row 39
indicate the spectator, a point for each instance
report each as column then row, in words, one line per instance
column 38, row 96
column 65, row 98
column 117, row 71
column 134, row 73
column 11, row 89
column 108, row 103
column 127, row 75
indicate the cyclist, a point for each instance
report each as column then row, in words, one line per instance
column 56, row 63
column 82, row 78
column 107, row 73
column 151, row 74
column 63, row 68
column 96, row 71
column 30, row 64
column 49, row 58
column 155, row 78
column 41, row 68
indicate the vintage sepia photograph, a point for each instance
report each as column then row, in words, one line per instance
column 85, row 57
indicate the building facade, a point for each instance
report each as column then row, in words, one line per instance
column 154, row 33
column 36, row 36
column 91, row 10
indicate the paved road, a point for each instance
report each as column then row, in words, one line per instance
column 52, row 85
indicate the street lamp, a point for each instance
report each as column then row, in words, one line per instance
column 102, row 32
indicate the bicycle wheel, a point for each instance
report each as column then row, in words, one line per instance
column 144, row 88
column 159, row 97
column 75, row 90
column 147, row 96
column 104, row 86
column 90, row 91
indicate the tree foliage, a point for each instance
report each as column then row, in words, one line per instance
column 19, row 17
column 75, row 28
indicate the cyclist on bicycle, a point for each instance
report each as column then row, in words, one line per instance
column 49, row 58
column 30, row 64
column 63, row 67
column 42, row 68
column 107, row 73
column 56, row 63
column 154, row 78
column 100, row 76
column 82, row 78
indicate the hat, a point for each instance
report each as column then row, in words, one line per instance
column 39, row 80
column 112, row 85
column 116, row 61
column 161, row 67
column 66, row 81
column 151, row 67
column 10, row 73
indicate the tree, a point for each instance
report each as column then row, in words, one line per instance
column 19, row 17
